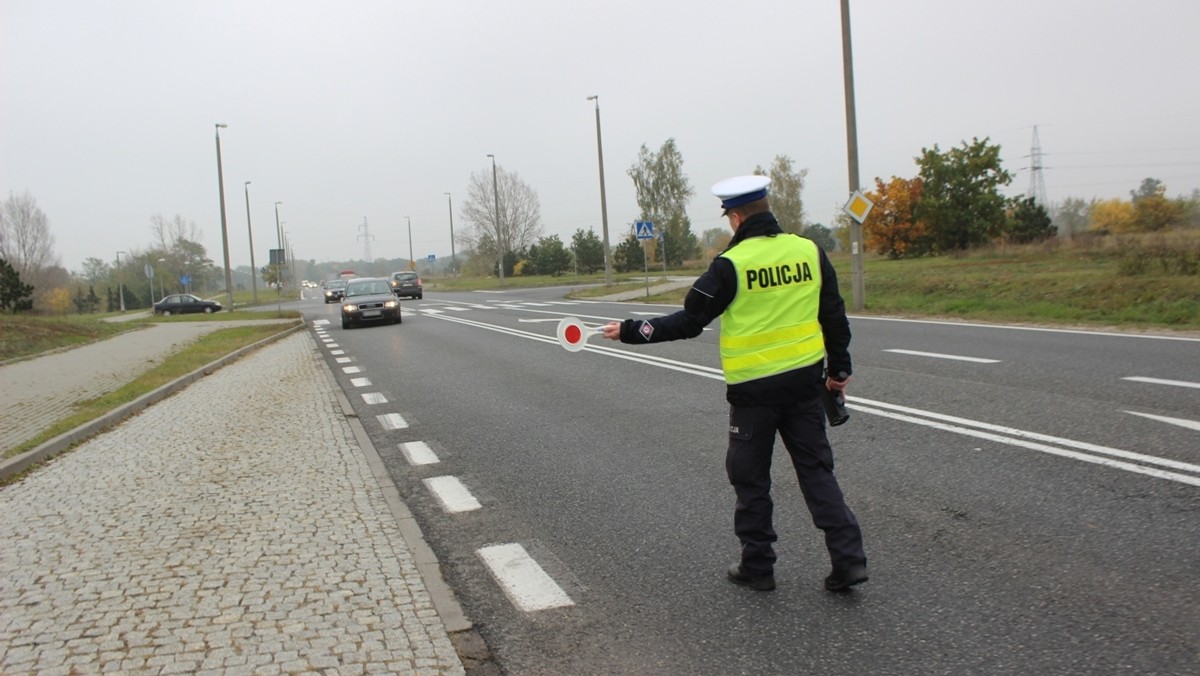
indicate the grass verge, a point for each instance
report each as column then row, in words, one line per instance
column 26, row 335
column 205, row 350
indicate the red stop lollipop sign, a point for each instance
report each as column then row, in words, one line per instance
column 573, row 334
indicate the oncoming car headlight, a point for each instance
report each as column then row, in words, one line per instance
column 350, row 308
column 390, row 304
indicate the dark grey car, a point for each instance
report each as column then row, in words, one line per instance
column 369, row 300
column 183, row 303
column 334, row 289
column 407, row 283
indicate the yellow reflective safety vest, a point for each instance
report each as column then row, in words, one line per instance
column 771, row 326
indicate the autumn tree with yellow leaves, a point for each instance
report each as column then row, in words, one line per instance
column 891, row 229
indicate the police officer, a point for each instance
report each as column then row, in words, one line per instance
column 782, row 318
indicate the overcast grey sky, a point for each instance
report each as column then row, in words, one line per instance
column 375, row 109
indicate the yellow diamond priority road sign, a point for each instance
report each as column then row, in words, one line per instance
column 858, row 207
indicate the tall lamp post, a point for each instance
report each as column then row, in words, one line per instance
column 162, row 286
column 250, row 230
column 603, row 201
column 499, row 236
column 120, row 286
column 279, row 247
column 858, row 285
column 224, row 225
column 453, row 259
column 412, row 264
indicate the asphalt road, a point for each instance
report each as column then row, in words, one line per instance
column 1026, row 507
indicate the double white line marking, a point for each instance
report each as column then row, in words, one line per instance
column 1129, row 461
column 1138, row 463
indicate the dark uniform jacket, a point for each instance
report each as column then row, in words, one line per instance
column 714, row 291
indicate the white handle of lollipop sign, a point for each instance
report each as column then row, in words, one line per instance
column 573, row 333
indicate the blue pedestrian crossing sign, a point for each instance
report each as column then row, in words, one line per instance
column 645, row 229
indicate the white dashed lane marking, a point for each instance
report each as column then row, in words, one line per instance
column 1160, row 381
column 360, row 382
column 351, row 369
column 418, row 453
column 1182, row 422
column 453, row 495
column 392, row 421
column 937, row 355
column 374, row 398
column 522, row 579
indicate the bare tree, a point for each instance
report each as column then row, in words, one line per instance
column 169, row 234
column 25, row 238
column 520, row 213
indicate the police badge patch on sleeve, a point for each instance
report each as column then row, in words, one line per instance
column 646, row 330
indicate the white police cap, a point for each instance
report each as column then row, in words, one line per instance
column 740, row 190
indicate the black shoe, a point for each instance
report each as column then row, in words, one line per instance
column 841, row 580
column 763, row 582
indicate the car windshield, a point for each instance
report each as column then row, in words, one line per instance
column 406, row 276
column 337, row 284
column 367, row 288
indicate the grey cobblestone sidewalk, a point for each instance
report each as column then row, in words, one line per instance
column 232, row 528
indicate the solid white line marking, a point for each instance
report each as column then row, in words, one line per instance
column 1160, row 381
column 946, row 356
column 647, row 314
column 360, row 382
column 374, row 398
column 1190, row 424
column 392, row 421
column 343, row 360
column 418, row 453
column 431, row 311
column 351, row 369
column 457, row 308
column 1080, row 332
column 522, row 579
column 453, row 495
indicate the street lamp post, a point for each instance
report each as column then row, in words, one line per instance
column 499, row 236
column 162, row 287
column 412, row 264
column 453, row 259
column 857, row 280
column 120, row 286
column 278, row 247
column 283, row 256
column 250, row 230
column 603, row 201
column 224, row 225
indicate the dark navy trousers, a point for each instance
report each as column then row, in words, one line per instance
column 801, row 426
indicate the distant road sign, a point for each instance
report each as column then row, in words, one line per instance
column 645, row 229
column 431, row 258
